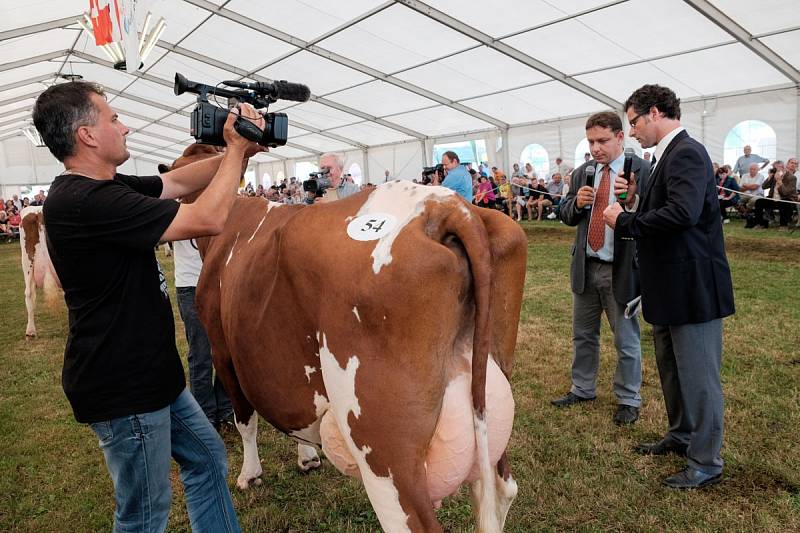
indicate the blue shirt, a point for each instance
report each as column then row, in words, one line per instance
column 460, row 181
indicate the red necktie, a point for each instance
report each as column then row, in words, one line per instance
column 597, row 227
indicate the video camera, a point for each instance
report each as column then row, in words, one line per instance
column 429, row 172
column 317, row 183
column 208, row 120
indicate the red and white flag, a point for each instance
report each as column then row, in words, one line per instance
column 114, row 21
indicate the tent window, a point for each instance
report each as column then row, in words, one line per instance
column 536, row 155
column 580, row 151
column 754, row 133
column 266, row 180
column 355, row 172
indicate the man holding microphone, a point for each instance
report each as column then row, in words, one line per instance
column 685, row 280
column 603, row 273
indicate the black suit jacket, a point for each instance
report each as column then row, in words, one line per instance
column 624, row 274
column 685, row 277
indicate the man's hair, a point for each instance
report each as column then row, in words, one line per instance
column 605, row 119
column 647, row 96
column 61, row 110
column 452, row 156
column 337, row 157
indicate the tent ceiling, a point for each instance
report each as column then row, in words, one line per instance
column 396, row 70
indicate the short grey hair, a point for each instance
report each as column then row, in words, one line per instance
column 337, row 157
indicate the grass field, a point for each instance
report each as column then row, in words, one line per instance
column 575, row 468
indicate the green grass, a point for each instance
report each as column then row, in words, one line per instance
column 575, row 469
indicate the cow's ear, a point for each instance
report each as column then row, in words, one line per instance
column 162, row 168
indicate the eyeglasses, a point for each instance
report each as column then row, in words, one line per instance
column 636, row 119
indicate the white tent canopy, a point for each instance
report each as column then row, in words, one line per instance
column 390, row 79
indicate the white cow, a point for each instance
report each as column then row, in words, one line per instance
column 36, row 264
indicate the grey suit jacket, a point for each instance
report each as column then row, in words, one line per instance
column 625, row 270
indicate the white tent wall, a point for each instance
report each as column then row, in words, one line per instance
column 404, row 161
column 778, row 109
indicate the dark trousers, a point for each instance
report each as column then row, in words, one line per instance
column 208, row 392
column 689, row 358
column 784, row 210
column 723, row 207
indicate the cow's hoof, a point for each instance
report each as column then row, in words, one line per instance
column 244, row 482
column 309, row 464
column 30, row 336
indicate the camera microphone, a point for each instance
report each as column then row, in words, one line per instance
column 590, row 171
column 626, row 169
column 280, row 89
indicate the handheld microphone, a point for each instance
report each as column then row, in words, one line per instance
column 280, row 89
column 590, row 171
column 626, row 169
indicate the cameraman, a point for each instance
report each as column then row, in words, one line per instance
column 456, row 176
column 122, row 373
column 340, row 188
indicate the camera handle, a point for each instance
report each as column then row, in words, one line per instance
column 247, row 129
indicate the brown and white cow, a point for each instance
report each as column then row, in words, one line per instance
column 380, row 327
column 36, row 265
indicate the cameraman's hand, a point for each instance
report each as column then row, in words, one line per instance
column 235, row 141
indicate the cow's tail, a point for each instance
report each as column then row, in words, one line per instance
column 471, row 231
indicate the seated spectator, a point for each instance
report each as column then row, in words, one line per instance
column 5, row 230
column 538, row 193
column 517, row 173
column 727, row 198
column 14, row 220
column 751, row 184
column 11, row 208
column 485, row 196
column 524, row 200
column 782, row 185
column 503, row 195
column 555, row 189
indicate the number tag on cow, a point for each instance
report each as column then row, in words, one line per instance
column 371, row 227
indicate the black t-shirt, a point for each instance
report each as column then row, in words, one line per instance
column 120, row 357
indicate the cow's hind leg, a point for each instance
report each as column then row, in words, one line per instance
column 30, row 300
column 246, row 420
column 491, row 516
column 307, row 457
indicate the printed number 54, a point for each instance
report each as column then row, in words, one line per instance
column 373, row 225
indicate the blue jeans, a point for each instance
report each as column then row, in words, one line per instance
column 208, row 392
column 137, row 450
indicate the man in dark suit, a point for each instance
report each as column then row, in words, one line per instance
column 686, row 282
column 604, row 274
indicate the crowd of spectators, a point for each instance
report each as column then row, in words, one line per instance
column 11, row 213
column 742, row 190
column 745, row 190
column 526, row 194
column 290, row 191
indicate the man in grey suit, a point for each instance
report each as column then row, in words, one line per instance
column 604, row 273
column 686, row 282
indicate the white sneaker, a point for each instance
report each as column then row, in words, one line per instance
column 725, row 220
column 551, row 216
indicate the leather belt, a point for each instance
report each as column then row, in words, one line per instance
column 592, row 259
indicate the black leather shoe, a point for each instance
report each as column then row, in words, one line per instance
column 570, row 399
column 691, row 478
column 662, row 447
column 626, row 414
